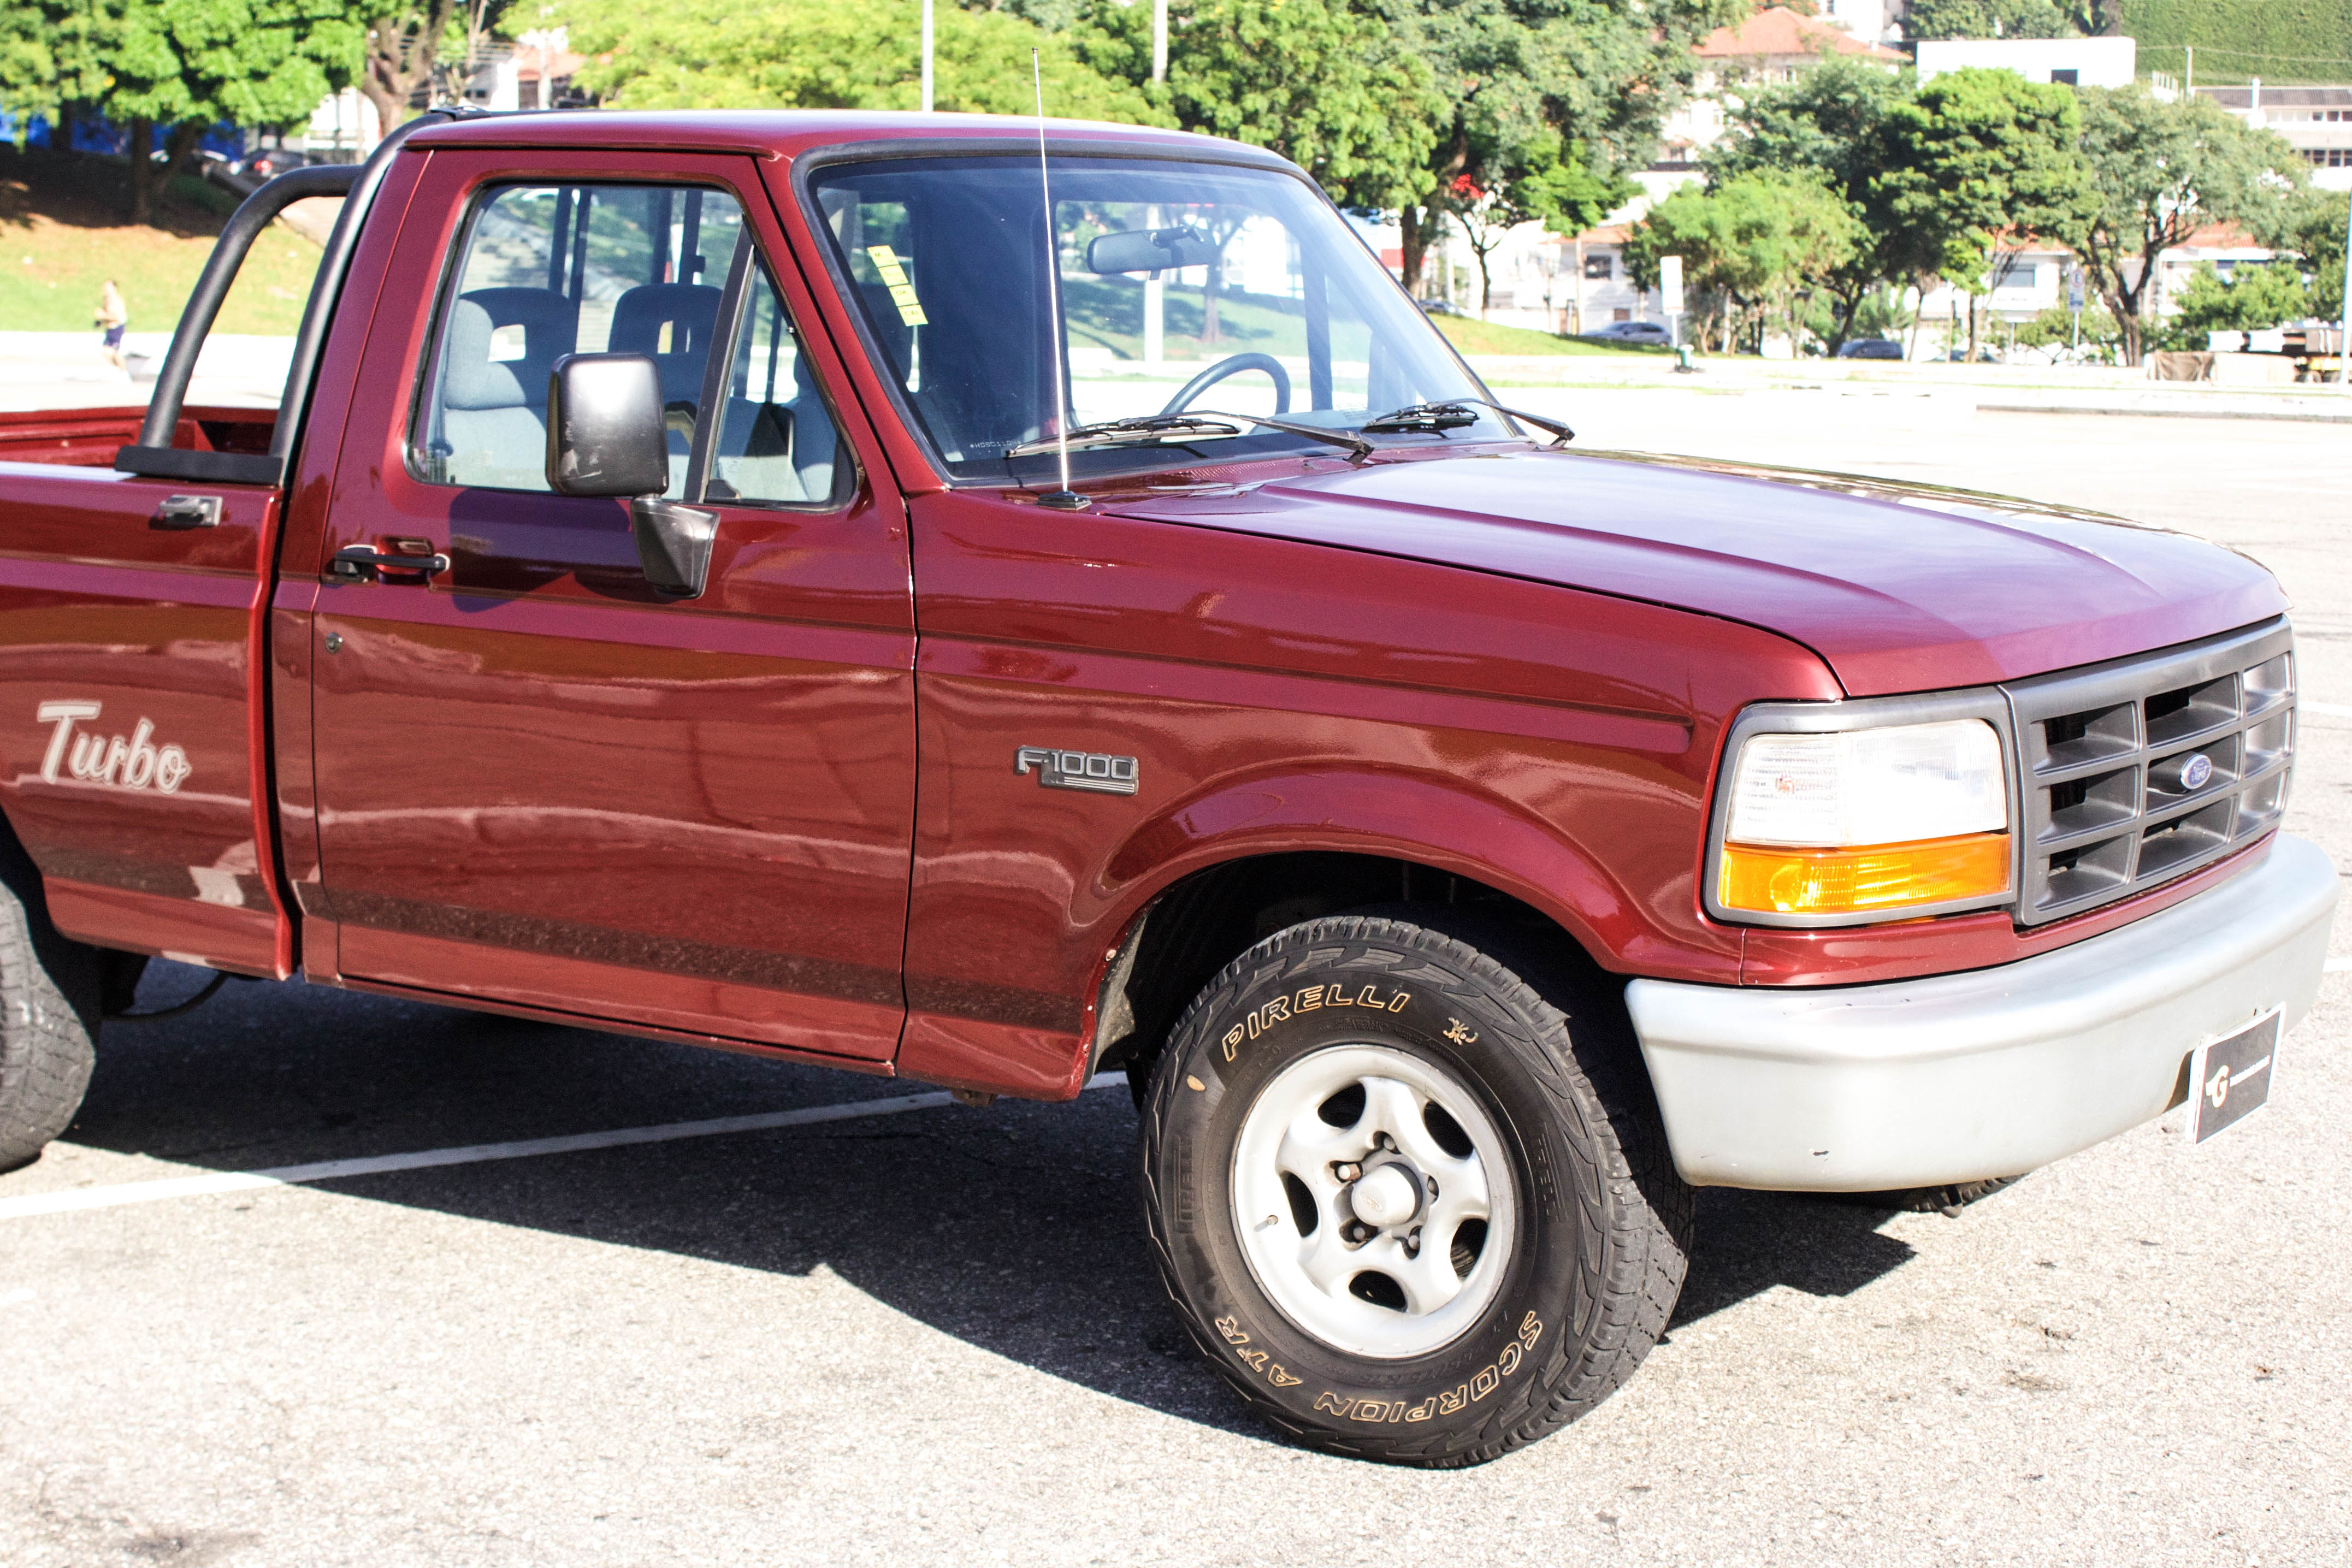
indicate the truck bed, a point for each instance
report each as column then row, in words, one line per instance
column 90, row 437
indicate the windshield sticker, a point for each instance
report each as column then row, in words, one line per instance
column 902, row 291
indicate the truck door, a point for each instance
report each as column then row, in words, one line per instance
column 539, row 780
column 130, row 767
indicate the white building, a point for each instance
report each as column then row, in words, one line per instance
column 1773, row 46
column 2076, row 62
column 2316, row 120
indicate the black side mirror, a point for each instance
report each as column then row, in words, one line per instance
column 607, row 436
column 605, row 430
column 1149, row 250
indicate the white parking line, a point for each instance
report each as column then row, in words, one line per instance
column 2336, row 966
column 2336, row 709
column 474, row 1153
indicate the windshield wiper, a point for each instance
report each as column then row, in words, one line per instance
column 1455, row 415
column 1118, row 432
column 1358, row 447
column 1173, row 427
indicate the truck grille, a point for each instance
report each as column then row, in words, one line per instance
column 2112, row 804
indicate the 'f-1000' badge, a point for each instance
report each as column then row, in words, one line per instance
column 1077, row 770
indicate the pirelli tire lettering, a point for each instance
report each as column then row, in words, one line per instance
column 1598, row 1221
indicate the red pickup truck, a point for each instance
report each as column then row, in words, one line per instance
column 991, row 605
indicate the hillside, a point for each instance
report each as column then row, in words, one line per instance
column 63, row 235
column 2281, row 41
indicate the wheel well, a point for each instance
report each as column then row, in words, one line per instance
column 1202, row 923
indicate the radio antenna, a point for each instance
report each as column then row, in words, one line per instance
column 1065, row 498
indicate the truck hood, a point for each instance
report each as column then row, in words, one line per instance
column 1899, row 588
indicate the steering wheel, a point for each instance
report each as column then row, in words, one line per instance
column 1234, row 365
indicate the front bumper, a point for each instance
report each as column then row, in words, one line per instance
column 1987, row 1073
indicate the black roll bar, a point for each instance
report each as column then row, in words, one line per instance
column 155, row 456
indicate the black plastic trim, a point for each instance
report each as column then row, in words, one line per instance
column 153, row 454
column 185, row 462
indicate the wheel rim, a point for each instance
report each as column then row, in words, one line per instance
column 1340, row 1223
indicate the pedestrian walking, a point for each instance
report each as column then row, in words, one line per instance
column 113, row 318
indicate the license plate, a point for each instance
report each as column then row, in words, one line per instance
column 2229, row 1078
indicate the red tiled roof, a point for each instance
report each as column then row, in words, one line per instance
column 2222, row 237
column 1607, row 233
column 1776, row 30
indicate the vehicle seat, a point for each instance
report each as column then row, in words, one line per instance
column 494, row 412
column 780, row 451
column 690, row 312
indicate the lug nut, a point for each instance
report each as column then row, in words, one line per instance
column 1346, row 1170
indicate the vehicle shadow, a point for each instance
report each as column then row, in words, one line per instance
column 1016, row 1228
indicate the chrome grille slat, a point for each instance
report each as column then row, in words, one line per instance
column 2096, row 827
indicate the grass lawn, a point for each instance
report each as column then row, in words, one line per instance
column 63, row 234
column 1475, row 337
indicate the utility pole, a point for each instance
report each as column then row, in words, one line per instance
column 2189, row 77
column 2344, row 343
column 927, row 56
column 1159, row 39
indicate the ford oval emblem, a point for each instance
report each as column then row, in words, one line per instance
column 2195, row 770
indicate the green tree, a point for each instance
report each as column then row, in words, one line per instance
column 2054, row 331
column 2251, row 299
column 1831, row 123
column 1553, row 187
column 179, row 67
column 805, row 54
column 1325, row 84
column 2157, row 172
column 2313, row 229
column 1598, row 74
column 402, row 51
column 1974, row 155
column 1748, row 247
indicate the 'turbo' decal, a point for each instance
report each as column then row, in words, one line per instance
column 133, row 764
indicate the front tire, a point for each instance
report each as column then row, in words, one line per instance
column 1411, row 1208
column 49, row 998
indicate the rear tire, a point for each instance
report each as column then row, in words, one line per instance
column 50, row 996
column 1410, row 1287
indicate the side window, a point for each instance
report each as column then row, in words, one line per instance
column 777, row 442
column 547, row 270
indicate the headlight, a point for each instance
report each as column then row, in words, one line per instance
column 1865, row 821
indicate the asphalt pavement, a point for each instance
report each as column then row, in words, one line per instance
column 931, row 1334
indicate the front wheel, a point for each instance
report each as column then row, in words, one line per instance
column 1410, row 1206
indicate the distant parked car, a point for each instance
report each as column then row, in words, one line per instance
column 1441, row 307
column 1984, row 357
column 1631, row 332
column 1871, row 348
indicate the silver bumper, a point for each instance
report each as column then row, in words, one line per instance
column 1986, row 1073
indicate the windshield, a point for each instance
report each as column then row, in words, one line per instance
column 1183, row 287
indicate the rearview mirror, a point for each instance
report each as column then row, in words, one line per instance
column 1149, row 250
column 604, row 428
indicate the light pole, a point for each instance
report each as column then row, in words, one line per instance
column 2344, row 343
column 927, row 56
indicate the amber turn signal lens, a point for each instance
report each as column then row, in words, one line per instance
column 1859, row 881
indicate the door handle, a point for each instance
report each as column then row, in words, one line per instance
column 189, row 512
column 355, row 562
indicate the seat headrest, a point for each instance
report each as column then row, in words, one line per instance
column 475, row 381
column 689, row 309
